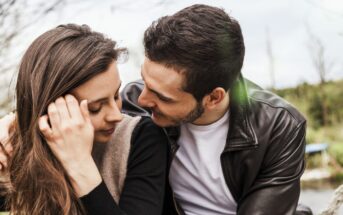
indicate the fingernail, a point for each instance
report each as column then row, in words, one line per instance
column 68, row 96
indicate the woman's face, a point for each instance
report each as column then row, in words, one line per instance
column 104, row 102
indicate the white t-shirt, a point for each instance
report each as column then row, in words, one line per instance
column 196, row 175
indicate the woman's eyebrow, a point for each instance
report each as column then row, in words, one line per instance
column 104, row 99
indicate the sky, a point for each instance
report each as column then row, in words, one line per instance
column 288, row 23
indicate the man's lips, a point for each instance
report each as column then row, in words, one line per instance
column 156, row 113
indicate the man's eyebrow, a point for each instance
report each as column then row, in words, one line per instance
column 158, row 94
column 104, row 99
column 161, row 96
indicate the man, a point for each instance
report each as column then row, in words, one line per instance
column 235, row 148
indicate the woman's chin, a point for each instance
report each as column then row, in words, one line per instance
column 102, row 139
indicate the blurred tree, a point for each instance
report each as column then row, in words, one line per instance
column 318, row 57
column 15, row 17
column 323, row 67
column 309, row 98
column 271, row 59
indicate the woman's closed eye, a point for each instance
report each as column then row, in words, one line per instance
column 94, row 109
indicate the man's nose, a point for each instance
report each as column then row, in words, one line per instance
column 145, row 99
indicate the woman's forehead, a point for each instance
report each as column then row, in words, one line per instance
column 104, row 84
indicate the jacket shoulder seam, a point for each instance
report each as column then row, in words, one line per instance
column 299, row 121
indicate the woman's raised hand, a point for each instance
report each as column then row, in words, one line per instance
column 70, row 136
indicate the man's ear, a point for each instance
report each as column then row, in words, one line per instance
column 213, row 99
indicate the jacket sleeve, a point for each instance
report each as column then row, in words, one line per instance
column 277, row 187
column 144, row 186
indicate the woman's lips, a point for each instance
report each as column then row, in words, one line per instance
column 108, row 131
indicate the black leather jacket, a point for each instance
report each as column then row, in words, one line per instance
column 264, row 154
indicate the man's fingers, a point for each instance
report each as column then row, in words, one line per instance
column 5, row 141
column 5, row 126
column 3, row 160
column 74, row 109
column 44, row 127
column 9, row 118
column 7, row 146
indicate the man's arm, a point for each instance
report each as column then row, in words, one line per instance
column 276, row 189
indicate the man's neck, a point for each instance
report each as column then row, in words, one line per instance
column 214, row 115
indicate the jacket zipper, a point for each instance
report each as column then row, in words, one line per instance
column 175, row 205
column 228, row 179
column 171, row 160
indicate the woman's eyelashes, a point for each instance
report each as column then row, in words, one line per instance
column 96, row 109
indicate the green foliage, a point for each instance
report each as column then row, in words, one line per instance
column 338, row 177
column 329, row 134
column 336, row 151
column 322, row 104
column 314, row 161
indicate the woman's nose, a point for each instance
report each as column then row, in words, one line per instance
column 114, row 114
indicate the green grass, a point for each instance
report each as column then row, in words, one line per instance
column 336, row 151
column 310, row 101
column 329, row 134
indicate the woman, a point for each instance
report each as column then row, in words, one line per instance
column 73, row 151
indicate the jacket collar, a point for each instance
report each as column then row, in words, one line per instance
column 241, row 133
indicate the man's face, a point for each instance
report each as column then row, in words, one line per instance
column 163, row 94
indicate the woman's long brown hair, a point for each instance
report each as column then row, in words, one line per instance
column 55, row 63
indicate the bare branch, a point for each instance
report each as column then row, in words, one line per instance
column 319, row 60
column 271, row 58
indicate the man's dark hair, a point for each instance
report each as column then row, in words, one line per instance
column 201, row 41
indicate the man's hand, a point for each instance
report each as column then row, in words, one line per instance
column 70, row 136
column 6, row 147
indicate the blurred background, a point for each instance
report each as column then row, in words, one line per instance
column 293, row 47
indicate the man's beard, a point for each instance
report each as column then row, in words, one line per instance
column 189, row 118
column 194, row 114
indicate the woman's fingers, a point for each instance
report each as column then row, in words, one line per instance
column 65, row 115
column 74, row 109
column 62, row 108
column 85, row 111
column 44, row 127
column 54, row 117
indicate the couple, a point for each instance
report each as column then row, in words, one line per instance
column 226, row 147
